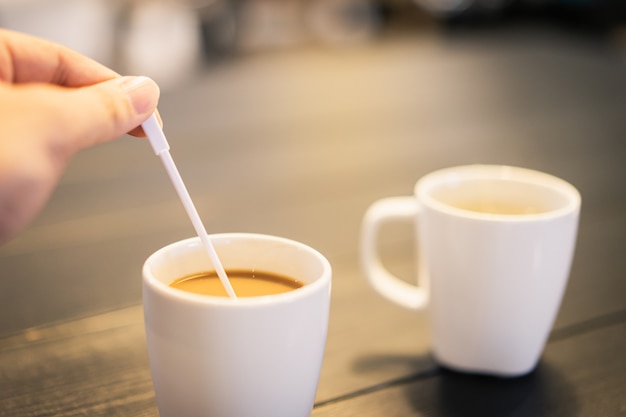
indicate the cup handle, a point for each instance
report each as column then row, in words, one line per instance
column 385, row 283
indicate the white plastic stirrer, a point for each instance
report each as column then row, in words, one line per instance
column 161, row 148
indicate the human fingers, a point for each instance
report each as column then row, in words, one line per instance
column 78, row 118
column 116, row 107
column 138, row 131
column 28, row 59
column 41, row 126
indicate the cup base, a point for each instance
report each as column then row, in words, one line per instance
column 484, row 370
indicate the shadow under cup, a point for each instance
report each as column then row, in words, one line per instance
column 242, row 357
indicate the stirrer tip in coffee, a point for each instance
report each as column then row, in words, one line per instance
column 161, row 147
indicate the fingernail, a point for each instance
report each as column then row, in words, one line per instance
column 142, row 92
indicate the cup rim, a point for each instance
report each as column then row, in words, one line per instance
column 165, row 290
column 425, row 185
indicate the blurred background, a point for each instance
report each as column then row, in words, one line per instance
column 290, row 117
column 170, row 40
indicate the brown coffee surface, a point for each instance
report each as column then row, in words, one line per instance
column 245, row 283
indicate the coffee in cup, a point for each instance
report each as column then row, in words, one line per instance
column 494, row 249
column 248, row 356
column 245, row 283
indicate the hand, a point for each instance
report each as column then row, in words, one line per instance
column 54, row 102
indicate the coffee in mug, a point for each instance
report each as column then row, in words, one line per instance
column 494, row 250
column 245, row 283
column 248, row 356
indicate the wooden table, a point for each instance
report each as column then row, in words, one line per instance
column 298, row 144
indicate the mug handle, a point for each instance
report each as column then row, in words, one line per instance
column 384, row 282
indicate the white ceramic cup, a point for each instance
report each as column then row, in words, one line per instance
column 491, row 282
column 245, row 357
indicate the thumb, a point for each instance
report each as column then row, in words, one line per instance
column 105, row 111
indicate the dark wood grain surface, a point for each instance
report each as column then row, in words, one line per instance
column 298, row 144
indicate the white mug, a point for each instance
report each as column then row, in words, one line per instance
column 245, row 357
column 494, row 250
